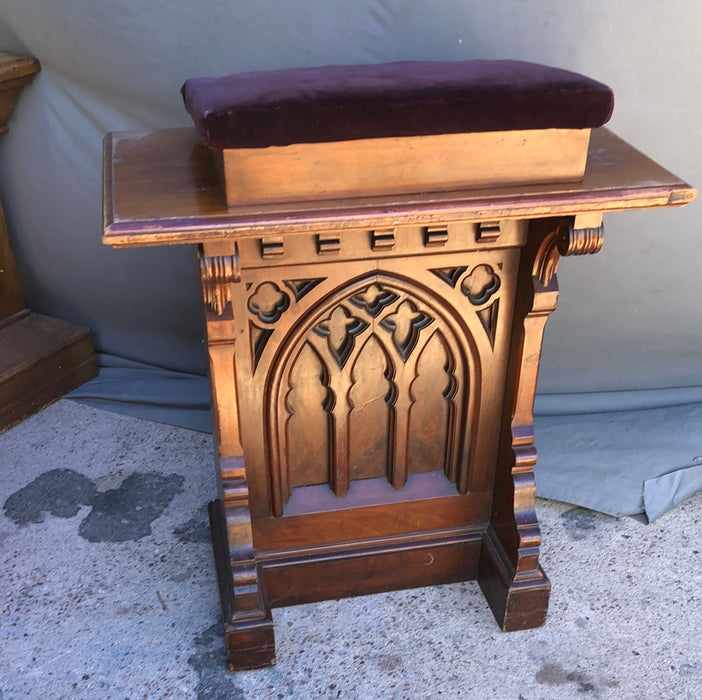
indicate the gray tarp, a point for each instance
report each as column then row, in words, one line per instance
column 629, row 318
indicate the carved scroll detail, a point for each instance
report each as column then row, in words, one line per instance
column 565, row 240
column 217, row 273
column 580, row 241
column 546, row 261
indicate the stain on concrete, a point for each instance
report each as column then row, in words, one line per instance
column 579, row 523
column 197, row 529
column 215, row 681
column 555, row 674
column 59, row 492
column 127, row 512
column 389, row 662
column 117, row 515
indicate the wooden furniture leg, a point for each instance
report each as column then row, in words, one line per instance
column 509, row 573
column 248, row 624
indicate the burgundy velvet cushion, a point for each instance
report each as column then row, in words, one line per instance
column 411, row 98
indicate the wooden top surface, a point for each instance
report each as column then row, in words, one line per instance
column 162, row 188
column 12, row 66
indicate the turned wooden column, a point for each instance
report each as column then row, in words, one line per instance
column 41, row 358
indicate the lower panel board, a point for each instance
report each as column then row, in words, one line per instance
column 426, row 561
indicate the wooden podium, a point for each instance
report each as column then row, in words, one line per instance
column 41, row 358
column 373, row 364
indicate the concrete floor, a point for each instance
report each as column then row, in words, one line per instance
column 108, row 591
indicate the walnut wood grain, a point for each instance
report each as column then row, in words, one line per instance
column 373, row 364
column 439, row 162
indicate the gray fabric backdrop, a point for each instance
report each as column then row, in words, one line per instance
column 629, row 318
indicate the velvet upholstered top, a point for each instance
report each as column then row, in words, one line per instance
column 410, row 98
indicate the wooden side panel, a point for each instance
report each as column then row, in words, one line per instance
column 404, row 164
column 10, row 291
column 384, row 567
column 375, row 366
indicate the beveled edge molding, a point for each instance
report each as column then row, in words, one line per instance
column 217, row 272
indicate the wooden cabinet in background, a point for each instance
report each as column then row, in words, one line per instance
column 41, row 358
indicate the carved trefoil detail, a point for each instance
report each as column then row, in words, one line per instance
column 405, row 325
column 340, row 329
column 374, row 300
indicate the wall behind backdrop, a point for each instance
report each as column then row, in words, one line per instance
column 629, row 318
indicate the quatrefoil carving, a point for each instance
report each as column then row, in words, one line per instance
column 268, row 302
column 480, row 285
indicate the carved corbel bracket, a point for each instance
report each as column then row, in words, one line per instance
column 217, row 273
column 573, row 236
column 574, row 239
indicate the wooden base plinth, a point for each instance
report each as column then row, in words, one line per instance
column 41, row 360
column 250, row 640
column 364, row 568
column 517, row 603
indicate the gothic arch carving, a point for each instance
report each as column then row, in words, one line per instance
column 361, row 349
